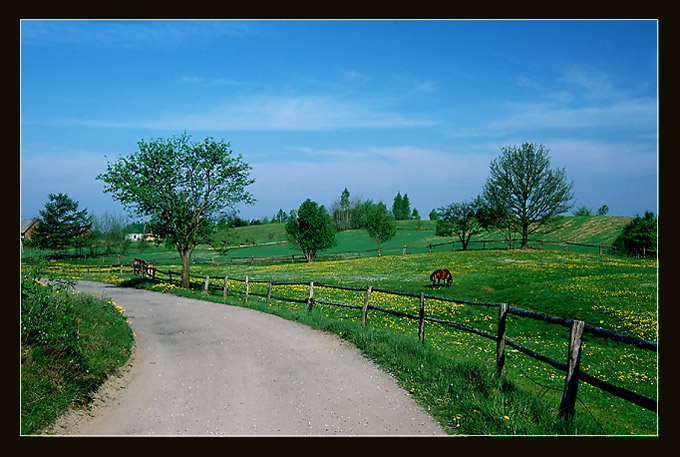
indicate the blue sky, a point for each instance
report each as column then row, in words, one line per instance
column 378, row 107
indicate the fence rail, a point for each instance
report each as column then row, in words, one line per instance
column 577, row 327
column 447, row 245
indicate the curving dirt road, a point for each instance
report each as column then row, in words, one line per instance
column 202, row 368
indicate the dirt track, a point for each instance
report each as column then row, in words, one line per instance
column 202, row 368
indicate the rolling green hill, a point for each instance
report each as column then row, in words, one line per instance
column 270, row 240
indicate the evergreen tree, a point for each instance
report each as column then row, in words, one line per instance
column 401, row 207
column 61, row 225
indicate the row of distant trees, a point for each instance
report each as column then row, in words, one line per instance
column 183, row 189
column 346, row 213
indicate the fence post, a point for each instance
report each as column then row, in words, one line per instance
column 421, row 323
column 571, row 381
column 310, row 300
column 364, row 309
column 247, row 290
column 500, row 341
column 226, row 287
column 207, row 282
column 269, row 294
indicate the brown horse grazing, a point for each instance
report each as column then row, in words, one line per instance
column 137, row 266
column 141, row 266
column 442, row 274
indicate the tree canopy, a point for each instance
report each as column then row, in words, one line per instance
column 61, row 225
column 310, row 227
column 380, row 225
column 461, row 219
column 181, row 186
column 401, row 207
column 639, row 236
column 523, row 186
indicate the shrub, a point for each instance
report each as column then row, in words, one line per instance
column 638, row 236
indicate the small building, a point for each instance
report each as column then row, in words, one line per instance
column 27, row 227
column 134, row 236
column 140, row 237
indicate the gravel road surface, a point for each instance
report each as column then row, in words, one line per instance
column 202, row 368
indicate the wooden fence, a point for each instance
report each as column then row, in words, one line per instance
column 577, row 327
column 473, row 245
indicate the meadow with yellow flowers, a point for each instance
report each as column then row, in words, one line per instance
column 615, row 293
column 612, row 292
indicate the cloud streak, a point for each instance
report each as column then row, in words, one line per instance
column 265, row 113
column 373, row 173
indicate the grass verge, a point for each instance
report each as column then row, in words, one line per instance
column 70, row 344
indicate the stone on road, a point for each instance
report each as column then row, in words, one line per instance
column 202, row 368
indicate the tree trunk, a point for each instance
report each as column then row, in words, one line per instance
column 185, row 255
column 525, row 236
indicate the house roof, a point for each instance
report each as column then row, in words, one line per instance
column 27, row 224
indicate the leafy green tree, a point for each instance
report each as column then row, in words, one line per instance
column 311, row 229
column 361, row 210
column 461, row 219
column 380, row 225
column 182, row 187
column 62, row 224
column 639, row 236
column 434, row 215
column 603, row 210
column 532, row 194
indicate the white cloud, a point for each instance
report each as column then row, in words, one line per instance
column 295, row 113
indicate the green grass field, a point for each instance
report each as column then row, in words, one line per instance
column 613, row 292
column 269, row 240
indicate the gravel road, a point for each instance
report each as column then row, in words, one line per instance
column 202, row 368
